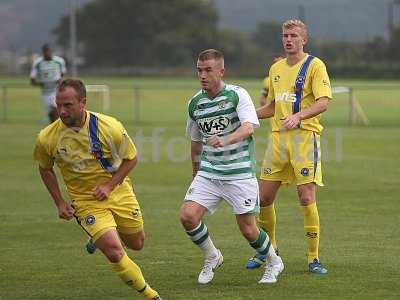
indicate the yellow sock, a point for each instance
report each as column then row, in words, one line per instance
column 311, row 227
column 131, row 274
column 267, row 220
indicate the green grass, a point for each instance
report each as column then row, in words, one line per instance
column 42, row 257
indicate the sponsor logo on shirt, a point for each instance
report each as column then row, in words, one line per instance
column 214, row 125
column 267, row 171
column 135, row 212
column 286, row 96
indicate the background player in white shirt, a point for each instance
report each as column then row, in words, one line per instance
column 46, row 72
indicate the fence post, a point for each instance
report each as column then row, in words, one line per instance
column 352, row 109
column 4, row 100
column 136, row 104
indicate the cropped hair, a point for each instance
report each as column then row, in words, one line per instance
column 211, row 54
column 295, row 23
column 76, row 84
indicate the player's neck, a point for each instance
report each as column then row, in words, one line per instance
column 216, row 90
column 293, row 59
column 81, row 121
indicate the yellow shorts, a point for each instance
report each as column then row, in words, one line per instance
column 293, row 155
column 120, row 210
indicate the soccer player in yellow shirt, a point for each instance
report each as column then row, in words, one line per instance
column 94, row 154
column 299, row 92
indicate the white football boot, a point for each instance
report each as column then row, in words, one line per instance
column 272, row 271
column 210, row 264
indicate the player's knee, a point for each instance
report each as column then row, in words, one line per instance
column 137, row 244
column 188, row 219
column 266, row 199
column 114, row 252
column 250, row 233
column 306, row 198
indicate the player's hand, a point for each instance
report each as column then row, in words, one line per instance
column 291, row 121
column 215, row 141
column 65, row 211
column 102, row 191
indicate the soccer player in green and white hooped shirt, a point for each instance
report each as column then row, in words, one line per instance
column 221, row 122
column 46, row 72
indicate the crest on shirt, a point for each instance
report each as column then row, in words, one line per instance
column 300, row 80
column 222, row 104
column 277, row 78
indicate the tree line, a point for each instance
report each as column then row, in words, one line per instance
column 169, row 34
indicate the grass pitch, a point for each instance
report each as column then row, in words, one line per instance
column 43, row 257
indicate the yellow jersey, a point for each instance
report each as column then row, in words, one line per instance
column 70, row 149
column 265, row 84
column 282, row 78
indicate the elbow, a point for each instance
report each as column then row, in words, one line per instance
column 133, row 162
column 323, row 104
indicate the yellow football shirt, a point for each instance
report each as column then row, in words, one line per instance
column 69, row 149
column 282, row 78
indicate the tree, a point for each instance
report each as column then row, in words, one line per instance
column 268, row 37
column 142, row 33
column 394, row 44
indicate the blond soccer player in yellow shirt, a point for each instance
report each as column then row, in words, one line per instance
column 299, row 92
column 94, row 154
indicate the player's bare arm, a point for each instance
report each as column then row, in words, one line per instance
column 36, row 82
column 102, row 191
column 266, row 111
column 318, row 107
column 65, row 210
column 243, row 132
column 196, row 148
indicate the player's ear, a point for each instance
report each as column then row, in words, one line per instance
column 305, row 37
column 83, row 100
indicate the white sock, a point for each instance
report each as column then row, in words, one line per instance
column 200, row 237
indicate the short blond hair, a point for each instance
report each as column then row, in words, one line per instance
column 211, row 54
column 295, row 23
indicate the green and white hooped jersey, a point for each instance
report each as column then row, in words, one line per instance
column 48, row 72
column 221, row 116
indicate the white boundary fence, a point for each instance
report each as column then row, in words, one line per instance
column 355, row 109
column 104, row 91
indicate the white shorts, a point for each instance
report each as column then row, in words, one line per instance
column 241, row 195
column 49, row 100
